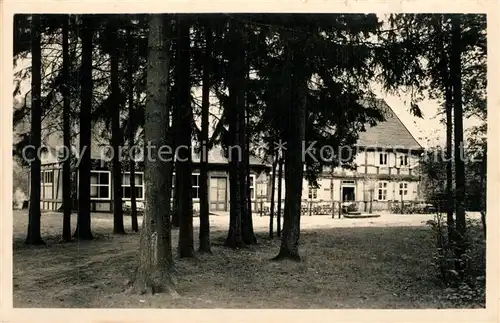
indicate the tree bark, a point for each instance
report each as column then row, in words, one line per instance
column 273, row 185
column 294, row 164
column 204, row 235
column 66, row 171
column 131, row 129
column 235, row 235
column 155, row 255
column 83, row 225
column 175, row 219
column 448, row 94
column 247, row 221
column 34, row 236
column 116, row 135
column 183, row 138
column 244, row 169
column 280, row 183
column 456, row 74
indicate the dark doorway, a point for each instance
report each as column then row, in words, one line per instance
column 348, row 194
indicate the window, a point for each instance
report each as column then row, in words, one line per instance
column 383, row 159
column 403, row 189
column 313, row 192
column 382, row 191
column 403, row 161
column 99, row 185
column 252, row 187
column 139, row 186
column 47, row 177
column 195, row 186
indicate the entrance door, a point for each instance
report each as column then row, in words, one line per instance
column 218, row 194
column 348, row 194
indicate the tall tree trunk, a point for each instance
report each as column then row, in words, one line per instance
column 204, row 235
column 66, row 171
column 448, row 94
column 131, row 128
column 456, row 74
column 155, row 254
column 449, row 163
column 280, row 183
column 34, row 229
column 235, row 235
column 294, row 163
column 244, row 119
column 273, row 186
column 116, row 135
column 83, row 225
column 183, row 138
column 175, row 219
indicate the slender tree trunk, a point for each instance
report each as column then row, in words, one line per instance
column 456, row 74
column 449, row 164
column 448, row 94
column 183, row 137
column 273, row 185
column 83, row 225
column 175, row 219
column 131, row 128
column 246, row 212
column 66, row 171
column 235, row 235
column 294, row 163
column 34, row 236
column 294, row 169
column 155, row 254
column 280, row 183
column 204, row 235
column 116, row 136
column 250, row 234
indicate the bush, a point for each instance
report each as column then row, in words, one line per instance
column 465, row 275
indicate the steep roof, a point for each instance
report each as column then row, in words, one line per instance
column 391, row 133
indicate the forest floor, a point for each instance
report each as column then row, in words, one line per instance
column 380, row 262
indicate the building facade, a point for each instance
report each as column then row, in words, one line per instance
column 386, row 171
column 101, row 186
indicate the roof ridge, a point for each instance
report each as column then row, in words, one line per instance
column 397, row 117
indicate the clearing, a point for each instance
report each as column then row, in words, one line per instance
column 382, row 262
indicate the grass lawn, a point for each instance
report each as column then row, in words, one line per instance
column 347, row 263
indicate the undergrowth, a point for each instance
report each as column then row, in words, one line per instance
column 462, row 274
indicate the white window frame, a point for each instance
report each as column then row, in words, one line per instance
column 99, row 185
column 403, row 188
column 312, row 192
column 143, row 191
column 382, row 188
column 252, row 187
column 385, row 159
column 406, row 160
column 197, row 187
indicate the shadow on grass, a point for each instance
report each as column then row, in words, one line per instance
column 360, row 267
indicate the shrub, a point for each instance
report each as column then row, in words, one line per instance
column 465, row 275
